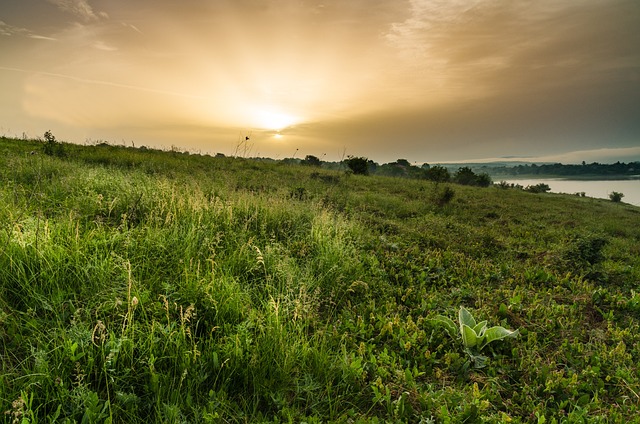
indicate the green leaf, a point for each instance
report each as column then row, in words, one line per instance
column 448, row 324
column 497, row 333
column 469, row 337
column 480, row 328
column 479, row 361
column 465, row 317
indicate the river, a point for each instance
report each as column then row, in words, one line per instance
column 592, row 188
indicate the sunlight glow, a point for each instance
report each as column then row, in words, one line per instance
column 273, row 119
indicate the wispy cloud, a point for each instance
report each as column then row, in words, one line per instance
column 131, row 26
column 79, row 8
column 102, row 83
column 101, row 45
column 415, row 35
column 9, row 31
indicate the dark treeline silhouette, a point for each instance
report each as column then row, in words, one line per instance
column 403, row 169
column 594, row 169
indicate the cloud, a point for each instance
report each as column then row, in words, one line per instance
column 79, row 8
column 606, row 155
column 9, row 31
column 131, row 26
column 101, row 45
column 416, row 36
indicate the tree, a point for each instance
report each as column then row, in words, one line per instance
column 438, row 173
column 538, row 188
column 400, row 168
column 465, row 176
column 358, row 165
column 484, row 180
column 52, row 147
column 311, row 160
column 616, row 196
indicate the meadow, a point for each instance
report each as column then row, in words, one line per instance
column 142, row 286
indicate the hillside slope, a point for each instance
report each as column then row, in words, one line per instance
column 147, row 286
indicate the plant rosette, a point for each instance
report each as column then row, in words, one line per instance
column 475, row 335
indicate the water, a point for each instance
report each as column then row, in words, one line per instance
column 596, row 188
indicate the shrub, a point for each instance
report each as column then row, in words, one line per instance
column 583, row 254
column 311, row 160
column 466, row 176
column 538, row 188
column 483, row 180
column 438, row 173
column 444, row 196
column 52, row 147
column 358, row 165
column 616, row 196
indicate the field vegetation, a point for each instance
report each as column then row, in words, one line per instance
column 143, row 286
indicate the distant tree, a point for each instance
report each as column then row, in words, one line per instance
column 372, row 167
column 394, row 169
column 483, row 180
column 465, row 176
column 438, row 173
column 52, row 147
column 425, row 166
column 616, row 196
column 311, row 160
column 538, row 188
column 403, row 162
column 358, row 165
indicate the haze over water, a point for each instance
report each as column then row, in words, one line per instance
column 592, row 188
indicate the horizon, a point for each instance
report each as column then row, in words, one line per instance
column 497, row 161
column 427, row 80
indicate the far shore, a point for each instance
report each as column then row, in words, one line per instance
column 566, row 178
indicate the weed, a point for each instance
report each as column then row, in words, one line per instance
column 475, row 335
column 444, row 195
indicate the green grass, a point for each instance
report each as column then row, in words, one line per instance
column 148, row 286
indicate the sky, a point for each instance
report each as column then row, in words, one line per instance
column 424, row 80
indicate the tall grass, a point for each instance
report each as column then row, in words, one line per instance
column 145, row 286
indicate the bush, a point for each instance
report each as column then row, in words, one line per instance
column 358, row 165
column 616, row 197
column 52, row 147
column 311, row 160
column 466, row 176
column 538, row 188
column 444, row 196
column 438, row 173
column 584, row 253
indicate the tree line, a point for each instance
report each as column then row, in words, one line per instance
column 402, row 168
column 562, row 170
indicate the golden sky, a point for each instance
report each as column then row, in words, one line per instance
column 425, row 80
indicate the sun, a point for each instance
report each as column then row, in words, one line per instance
column 273, row 119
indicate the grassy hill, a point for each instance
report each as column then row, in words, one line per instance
column 147, row 286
